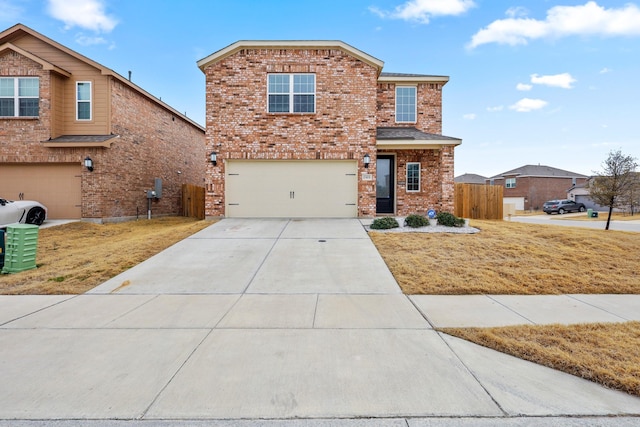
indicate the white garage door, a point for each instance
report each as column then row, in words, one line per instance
column 291, row 189
column 57, row 186
column 517, row 201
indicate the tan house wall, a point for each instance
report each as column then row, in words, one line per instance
column 239, row 126
column 81, row 71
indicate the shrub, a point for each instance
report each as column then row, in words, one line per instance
column 449, row 220
column 384, row 223
column 415, row 221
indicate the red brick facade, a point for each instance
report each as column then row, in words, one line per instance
column 351, row 103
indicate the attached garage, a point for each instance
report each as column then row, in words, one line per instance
column 57, row 186
column 291, row 189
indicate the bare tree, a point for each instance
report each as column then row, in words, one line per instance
column 611, row 188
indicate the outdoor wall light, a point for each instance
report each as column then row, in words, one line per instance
column 88, row 163
column 214, row 158
column 367, row 160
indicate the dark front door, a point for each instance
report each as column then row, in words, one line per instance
column 385, row 184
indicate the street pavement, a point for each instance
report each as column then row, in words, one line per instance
column 286, row 323
column 566, row 221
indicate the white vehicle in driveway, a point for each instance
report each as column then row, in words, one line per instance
column 21, row 212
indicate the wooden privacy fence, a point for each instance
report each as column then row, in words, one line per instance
column 192, row 201
column 478, row 201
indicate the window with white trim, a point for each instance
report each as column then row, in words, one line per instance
column 19, row 97
column 83, row 100
column 510, row 183
column 291, row 93
column 406, row 104
column 413, row 177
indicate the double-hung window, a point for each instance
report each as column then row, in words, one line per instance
column 19, row 96
column 291, row 93
column 83, row 100
column 406, row 104
column 413, row 177
column 510, row 183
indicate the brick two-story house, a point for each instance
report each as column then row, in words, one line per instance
column 59, row 108
column 529, row 186
column 316, row 129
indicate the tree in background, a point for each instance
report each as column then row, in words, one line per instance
column 616, row 184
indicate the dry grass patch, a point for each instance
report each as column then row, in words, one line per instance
column 74, row 258
column 513, row 258
column 608, row 354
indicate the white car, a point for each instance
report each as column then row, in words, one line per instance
column 21, row 212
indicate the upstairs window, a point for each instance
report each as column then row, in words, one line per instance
column 405, row 104
column 291, row 93
column 413, row 177
column 510, row 183
column 83, row 100
column 19, row 96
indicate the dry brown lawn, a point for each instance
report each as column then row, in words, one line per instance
column 513, row 258
column 608, row 354
column 75, row 257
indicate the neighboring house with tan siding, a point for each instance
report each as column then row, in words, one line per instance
column 58, row 108
column 316, row 129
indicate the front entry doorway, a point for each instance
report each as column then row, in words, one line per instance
column 385, row 185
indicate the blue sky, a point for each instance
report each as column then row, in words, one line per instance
column 551, row 82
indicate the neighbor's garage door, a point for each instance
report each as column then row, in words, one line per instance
column 57, row 186
column 291, row 189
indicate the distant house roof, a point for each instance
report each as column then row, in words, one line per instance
column 410, row 137
column 539, row 171
column 470, row 178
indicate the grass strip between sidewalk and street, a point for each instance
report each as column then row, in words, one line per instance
column 605, row 353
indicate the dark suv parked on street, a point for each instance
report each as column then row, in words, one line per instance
column 562, row 206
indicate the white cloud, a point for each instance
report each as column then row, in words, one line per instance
column 87, row 14
column 84, row 40
column 526, row 105
column 605, row 70
column 495, row 109
column 561, row 21
column 516, row 12
column 423, row 10
column 523, row 87
column 564, row 80
column 470, row 116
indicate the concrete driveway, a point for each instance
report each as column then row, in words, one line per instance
column 254, row 320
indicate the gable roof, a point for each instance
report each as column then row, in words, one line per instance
column 539, row 171
column 289, row 44
column 20, row 30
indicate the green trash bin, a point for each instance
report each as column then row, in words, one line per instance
column 21, row 246
column 589, row 212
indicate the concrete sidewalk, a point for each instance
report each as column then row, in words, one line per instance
column 283, row 323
